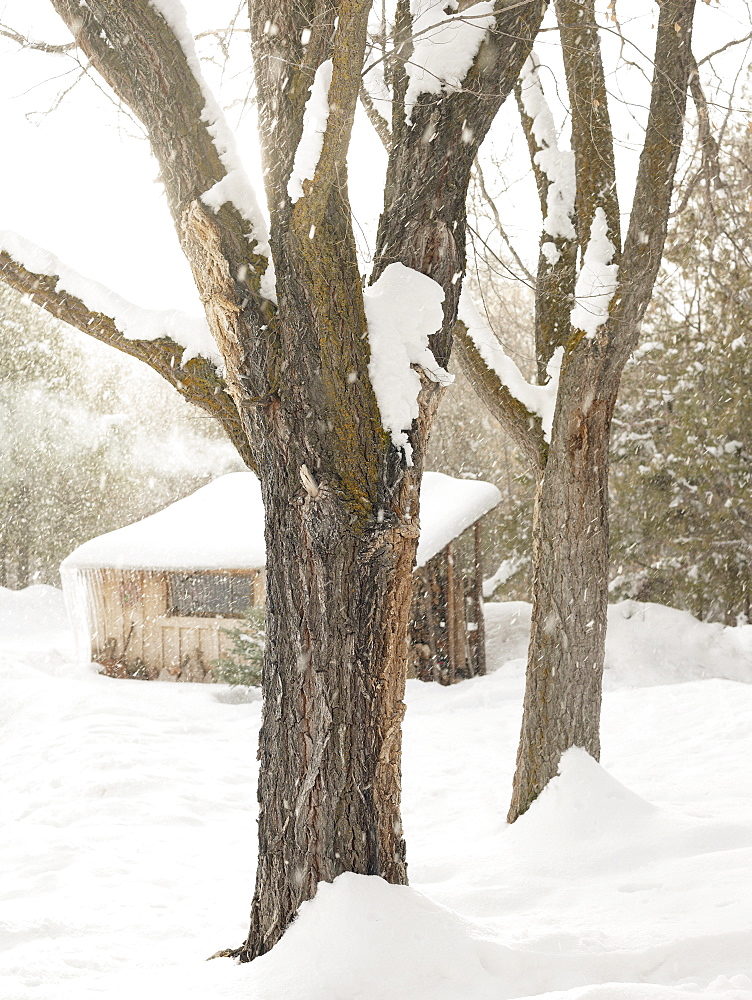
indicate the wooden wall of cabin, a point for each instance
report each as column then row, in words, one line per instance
column 447, row 633
column 133, row 633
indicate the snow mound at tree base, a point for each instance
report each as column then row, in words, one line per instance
column 361, row 937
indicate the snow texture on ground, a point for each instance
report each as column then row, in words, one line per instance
column 128, row 834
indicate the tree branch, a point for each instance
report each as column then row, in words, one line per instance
column 643, row 248
column 424, row 220
column 380, row 125
column 284, row 69
column 557, row 261
column 522, row 426
column 348, row 54
column 481, row 181
column 708, row 144
column 592, row 137
column 28, row 43
column 197, row 381
column 152, row 67
column 723, row 48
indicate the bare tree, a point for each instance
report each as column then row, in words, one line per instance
column 590, row 318
column 296, row 397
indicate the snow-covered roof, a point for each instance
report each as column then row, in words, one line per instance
column 221, row 526
column 447, row 507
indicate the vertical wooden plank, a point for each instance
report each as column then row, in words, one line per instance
column 115, row 630
column 451, row 620
column 170, row 648
column 206, row 642
column 103, row 599
column 215, row 634
column 259, row 588
column 133, row 616
column 183, row 644
column 190, row 645
column 154, row 607
column 459, row 634
column 95, row 611
column 477, row 602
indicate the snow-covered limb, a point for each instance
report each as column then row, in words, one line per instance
column 133, row 322
column 198, row 380
column 597, row 280
column 315, row 118
column 557, row 164
column 538, row 400
column 444, row 46
column 235, row 187
column 403, row 309
column 507, row 569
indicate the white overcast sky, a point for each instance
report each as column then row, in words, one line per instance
column 78, row 182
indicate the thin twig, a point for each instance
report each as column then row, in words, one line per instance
column 497, row 221
column 28, row 43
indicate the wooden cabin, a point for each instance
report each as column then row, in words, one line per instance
column 155, row 600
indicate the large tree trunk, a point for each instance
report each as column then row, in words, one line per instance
column 341, row 533
column 570, row 597
column 329, row 783
column 341, row 503
column 570, row 542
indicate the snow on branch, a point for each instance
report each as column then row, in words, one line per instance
column 235, row 187
column 557, row 164
column 403, row 309
column 539, row 400
column 315, row 118
column 444, row 46
column 505, row 572
column 132, row 321
column 597, row 280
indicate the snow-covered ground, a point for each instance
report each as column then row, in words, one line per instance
column 128, row 834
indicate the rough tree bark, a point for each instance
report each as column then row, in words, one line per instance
column 570, row 526
column 341, row 502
